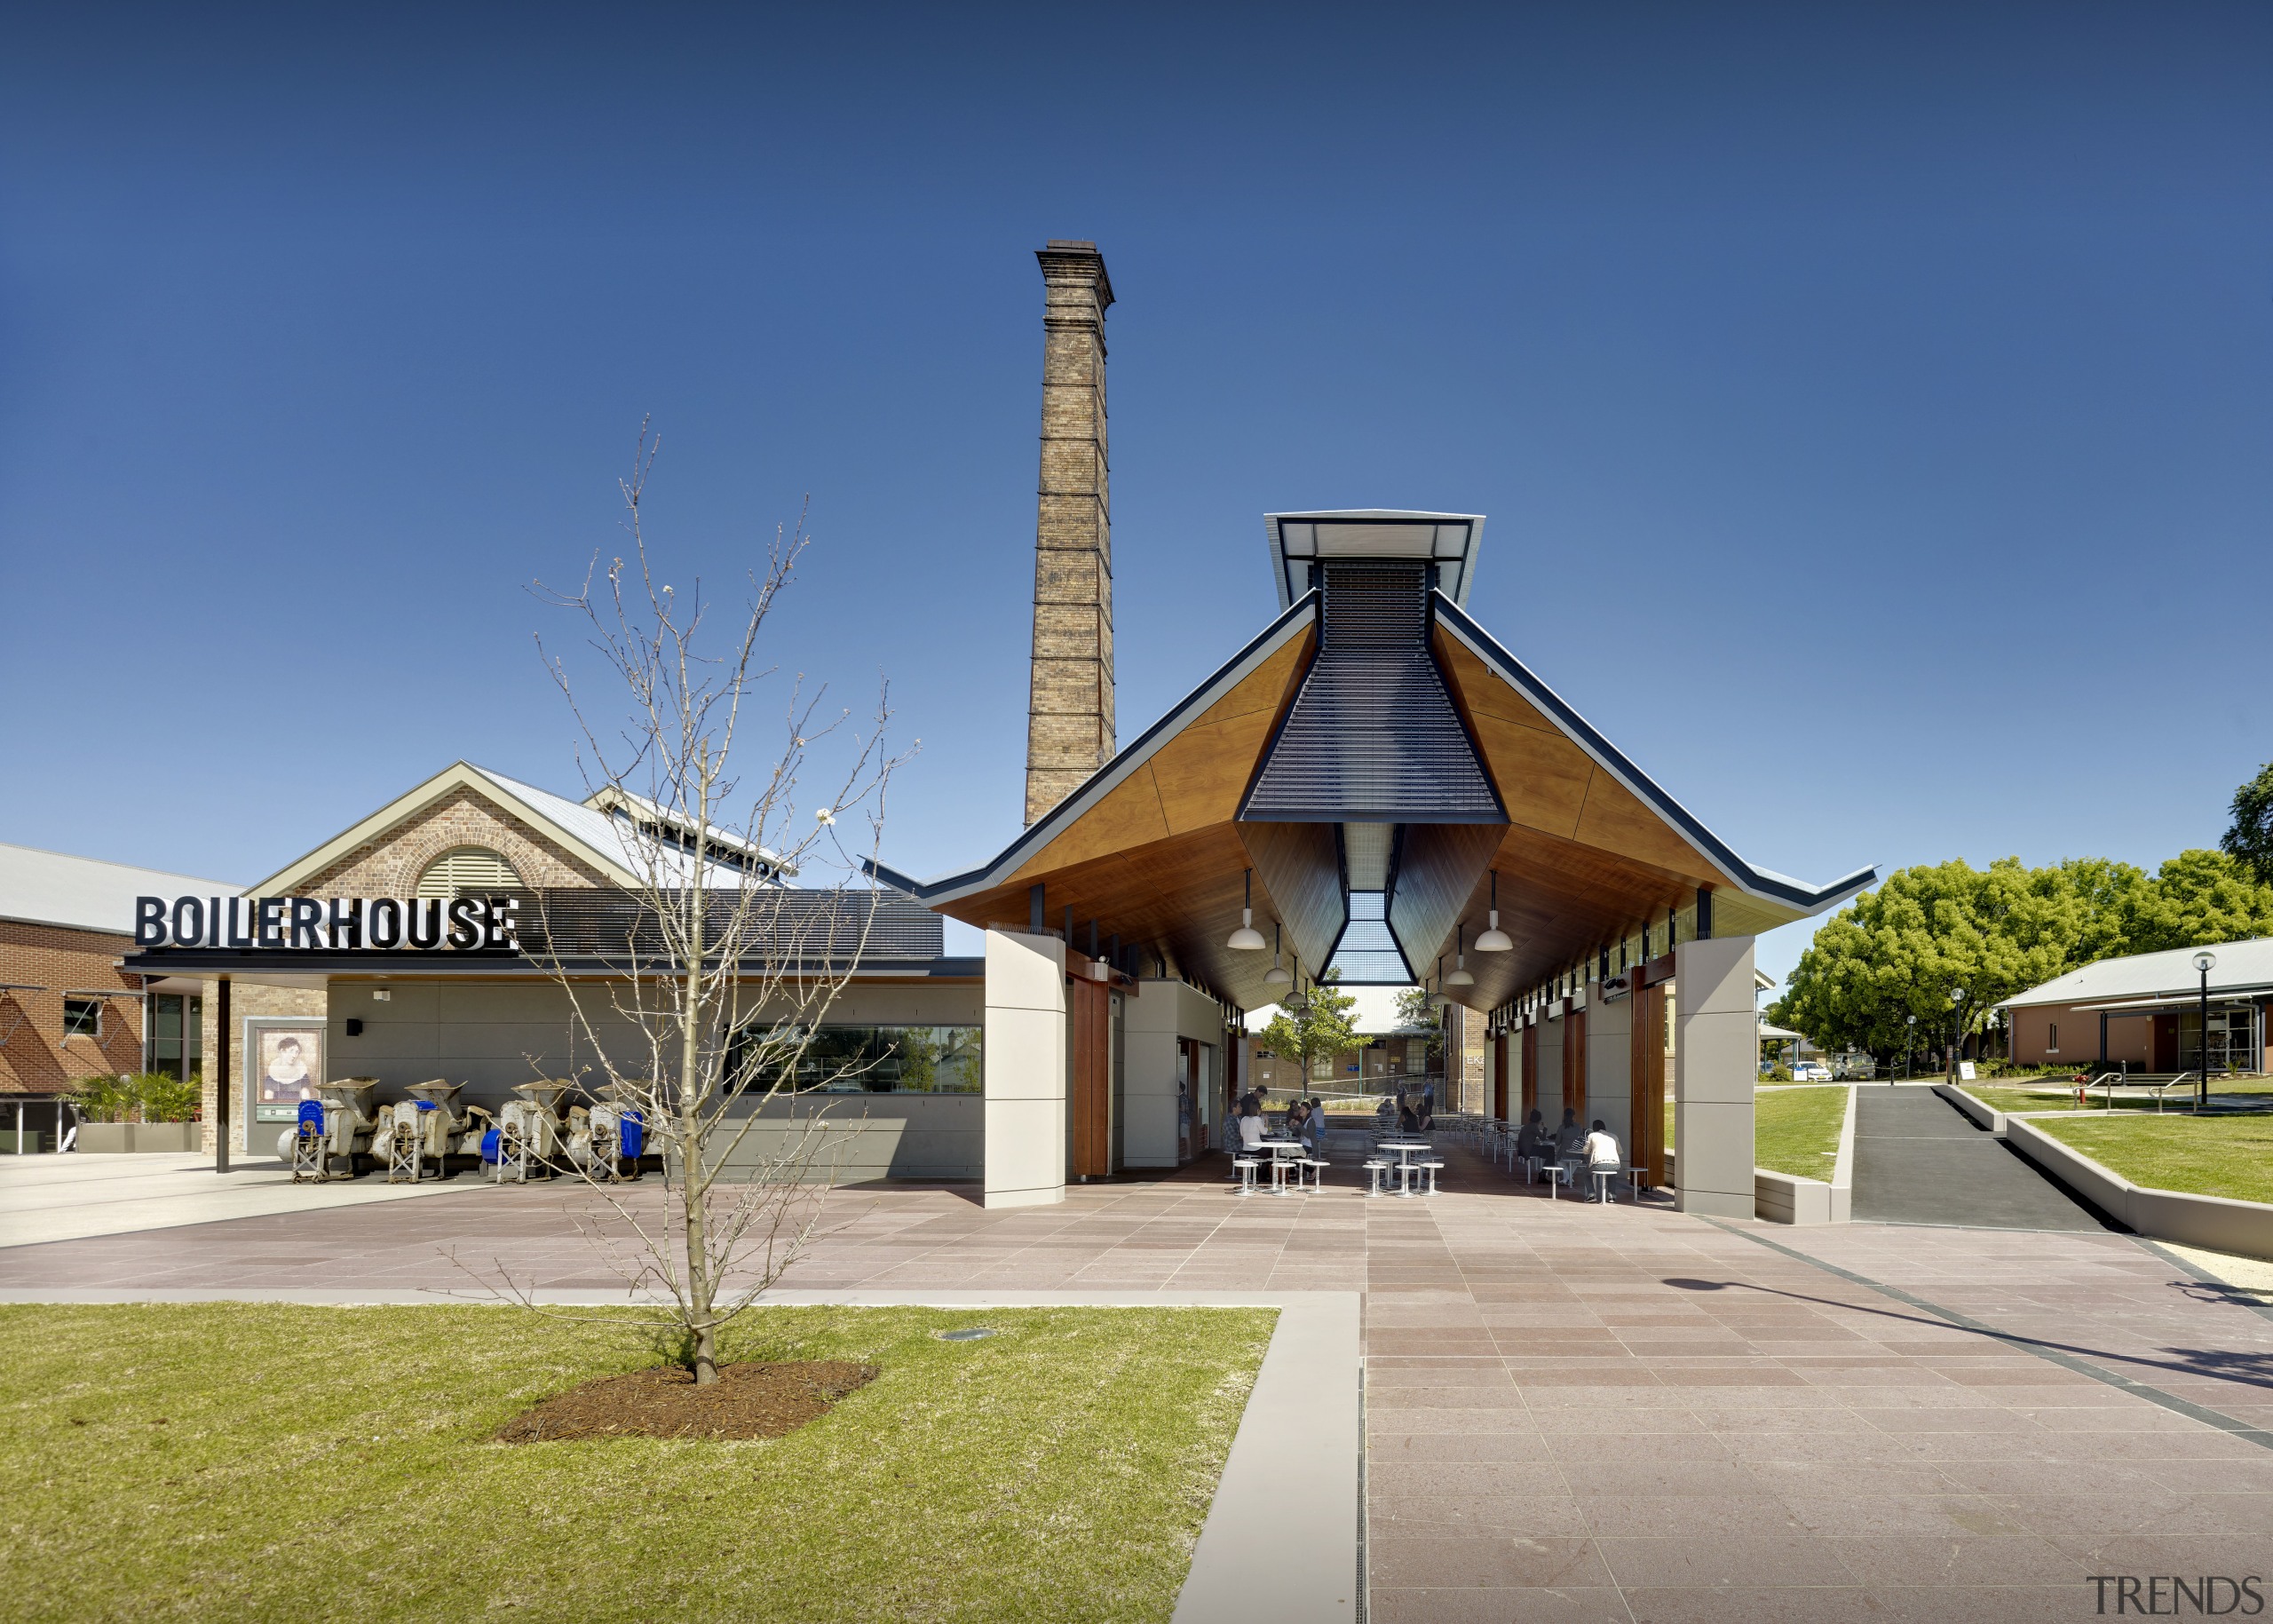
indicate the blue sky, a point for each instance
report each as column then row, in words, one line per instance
column 1870, row 404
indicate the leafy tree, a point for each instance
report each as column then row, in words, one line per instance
column 1413, row 1008
column 1322, row 1026
column 1941, row 943
column 1929, row 931
column 2250, row 840
column 2201, row 897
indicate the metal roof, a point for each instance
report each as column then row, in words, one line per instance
column 86, row 893
column 2241, row 967
column 1300, row 541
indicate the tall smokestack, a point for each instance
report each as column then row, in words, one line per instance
column 1069, row 719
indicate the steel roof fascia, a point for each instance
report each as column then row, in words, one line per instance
column 952, row 887
column 1764, row 884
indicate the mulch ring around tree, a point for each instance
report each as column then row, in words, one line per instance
column 748, row 1400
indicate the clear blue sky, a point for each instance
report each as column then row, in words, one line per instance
column 1872, row 404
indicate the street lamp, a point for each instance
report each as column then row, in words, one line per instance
column 2204, row 962
column 1957, row 1002
column 1909, row 1047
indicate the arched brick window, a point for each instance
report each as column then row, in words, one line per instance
column 467, row 869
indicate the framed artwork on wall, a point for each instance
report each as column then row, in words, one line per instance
column 283, row 1057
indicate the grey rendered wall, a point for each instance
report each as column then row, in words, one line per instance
column 1160, row 1013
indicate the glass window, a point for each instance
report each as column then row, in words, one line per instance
column 83, row 1018
column 847, row 1059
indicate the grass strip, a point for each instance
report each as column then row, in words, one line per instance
column 1795, row 1130
column 269, row 1461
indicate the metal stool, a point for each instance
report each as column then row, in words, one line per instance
column 1374, row 1169
column 1431, row 1168
column 1246, row 1165
column 1602, row 1178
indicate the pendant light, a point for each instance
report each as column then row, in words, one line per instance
column 1294, row 1003
column 1275, row 976
column 1460, row 976
column 1495, row 939
column 1438, row 1001
column 1246, row 938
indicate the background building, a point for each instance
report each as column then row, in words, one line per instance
column 2144, row 1011
column 67, row 1009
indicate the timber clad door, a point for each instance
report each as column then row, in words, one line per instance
column 1531, row 1070
column 1574, row 1062
column 1092, row 1103
column 1500, row 1076
column 1646, row 1112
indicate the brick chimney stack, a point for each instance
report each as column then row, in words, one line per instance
column 1069, row 719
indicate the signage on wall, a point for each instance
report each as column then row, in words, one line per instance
column 330, row 924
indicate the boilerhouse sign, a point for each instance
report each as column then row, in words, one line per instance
column 334, row 924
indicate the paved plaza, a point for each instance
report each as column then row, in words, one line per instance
column 1573, row 1412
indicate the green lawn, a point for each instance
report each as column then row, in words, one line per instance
column 269, row 1463
column 1796, row 1129
column 2206, row 1155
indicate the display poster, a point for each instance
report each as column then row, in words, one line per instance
column 287, row 1058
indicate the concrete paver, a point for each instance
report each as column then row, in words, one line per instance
column 1573, row 1412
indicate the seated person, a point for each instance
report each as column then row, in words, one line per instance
column 1408, row 1120
column 1533, row 1139
column 1314, row 1127
column 1298, row 1119
column 1385, row 1113
column 1569, row 1139
column 1601, row 1150
column 1251, row 1125
column 1424, row 1117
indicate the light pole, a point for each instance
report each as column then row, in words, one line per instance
column 2204, row 963
column 1957, row 1002
column 1909, row 1047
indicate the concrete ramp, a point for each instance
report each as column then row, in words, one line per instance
column 1919, row 1160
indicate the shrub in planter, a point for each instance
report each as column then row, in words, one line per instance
column 105, row 1099
column 145, row 1096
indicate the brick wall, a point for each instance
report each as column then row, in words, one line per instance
column 36, row 1059
column 390, row 865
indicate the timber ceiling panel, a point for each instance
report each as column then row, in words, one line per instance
column 1301, row 868
column 1194, row 779
column 1437, row 870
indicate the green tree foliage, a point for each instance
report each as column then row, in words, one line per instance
column 1931, row 931
column 1413, row 1010
column 2250, row 841
column 1323, row 1026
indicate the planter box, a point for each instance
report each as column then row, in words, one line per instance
column 2213, row 1222
column 123, row 1138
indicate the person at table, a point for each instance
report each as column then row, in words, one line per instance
column 1251, row 1125
column 1569, row 1139
column 1601, row 1150
column 1533, row 1139
column 1385, row 1113
column 1298, row 1119
column 1424, row 1115
column 1318, row 1125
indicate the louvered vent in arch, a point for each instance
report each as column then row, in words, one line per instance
column 467, row 869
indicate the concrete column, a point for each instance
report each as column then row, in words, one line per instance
column 1025, row 1067
column 1610, row 1064
column 1714, row 1076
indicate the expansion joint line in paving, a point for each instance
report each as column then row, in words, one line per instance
column 2067, row 1361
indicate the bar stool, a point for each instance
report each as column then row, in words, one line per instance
column 1431, row 1168
column 1374, row 1169
column 1246, row 1165
column 1602, row 1178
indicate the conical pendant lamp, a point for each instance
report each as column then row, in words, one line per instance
column 1246, row 938
column 1276, row 975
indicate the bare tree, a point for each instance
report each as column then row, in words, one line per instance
column 713, row 973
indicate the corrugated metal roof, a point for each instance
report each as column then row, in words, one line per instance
column 2241, row 966
column 85, row 892
column 615, row 836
